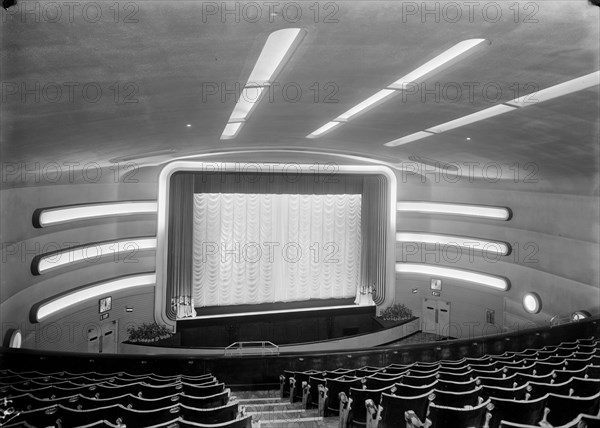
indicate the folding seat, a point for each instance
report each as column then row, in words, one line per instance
column 489, row 367
column 41, row 417
column 139, row 403
column 593, row 371
column 10, row 391
column 519, row 411
column 565, row 351
column 197, row 391
column 541, row 389
column 197, row 378
column 458, row 364
column 313, row 389
column 300, row 391
column 210, row 416
column 375, row 382
column 106, row 391
column 394, row 370
column 31, row 402
column 442, row 416
column 59, row 391
column 454, row 369
column 392, row 408
column 358, row 411
column 66, row 417
column 583, row 355
column 564, row 408
column 414, row 391
column 497, row 373
column 215, row 400
column 586, row 341
column 334, row 388
column 544, row 368
column 152, row 391
column 365, row 372
column 243, row 422
column 88, row 403
column 561, row 376
column 419, row 380
column 510, row 370
column 482, row 361
column 591, row 421
column 456, row 377
column 585, row 387
column 503, row 382
column 420, row 370
column 284, row 383
column 339, row 372
column 458, row 399
column 397, row 367
column 449, row 385
column 144, row 418
column 523, row 378
column 517, row 393
column 577, row 364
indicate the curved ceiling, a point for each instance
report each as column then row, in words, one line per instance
column 167, row 58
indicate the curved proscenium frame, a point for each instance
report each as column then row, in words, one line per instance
column 384, row 294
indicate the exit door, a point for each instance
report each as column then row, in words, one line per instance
column 436, row 317
column 103, row 340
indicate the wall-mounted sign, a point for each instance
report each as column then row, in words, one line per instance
column 104, row 316
column 105, row 304
column 436, row 293
column 436, row 284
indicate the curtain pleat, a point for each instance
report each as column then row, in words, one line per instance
column 275, row 248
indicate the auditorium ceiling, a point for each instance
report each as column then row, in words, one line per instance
column 95, row 82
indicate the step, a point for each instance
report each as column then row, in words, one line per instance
column 269, row 415
column 292, row 423
column 269, row 407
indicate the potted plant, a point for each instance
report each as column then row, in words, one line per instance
column 148, row 333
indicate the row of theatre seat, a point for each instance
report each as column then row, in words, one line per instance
column 557, row 386
column 65, row 400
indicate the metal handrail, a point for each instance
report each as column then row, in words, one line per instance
column 252, row 348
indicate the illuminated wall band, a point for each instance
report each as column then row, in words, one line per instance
column 491, row 281
column 483, row 211
column 123, row 249
column 45, row 309
column 44, row 217
column 495, row 247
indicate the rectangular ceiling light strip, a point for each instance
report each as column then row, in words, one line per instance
column 82, row 295
column 471, row 118
column 565, row 88
column 324, row 129
column 409, row 138
column 469, row 243
column 276, row 52
column 92, row 253
column 51, row 216
column 483, row 211
column 440, row 62
column 436, row 65
column 491, row 281
column 579, row 84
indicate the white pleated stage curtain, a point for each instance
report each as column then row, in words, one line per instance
column 266, row 248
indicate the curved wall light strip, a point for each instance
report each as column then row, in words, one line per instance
column 91, row 253
column 44, row 217
column 490, row 281
column 483, row 211
column 472, row 244
column 42, row 310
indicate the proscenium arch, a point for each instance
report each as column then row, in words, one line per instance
column 170, row 168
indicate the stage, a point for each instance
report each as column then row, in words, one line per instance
column 307, row 329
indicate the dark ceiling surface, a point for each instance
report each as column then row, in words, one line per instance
column 146, row 72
